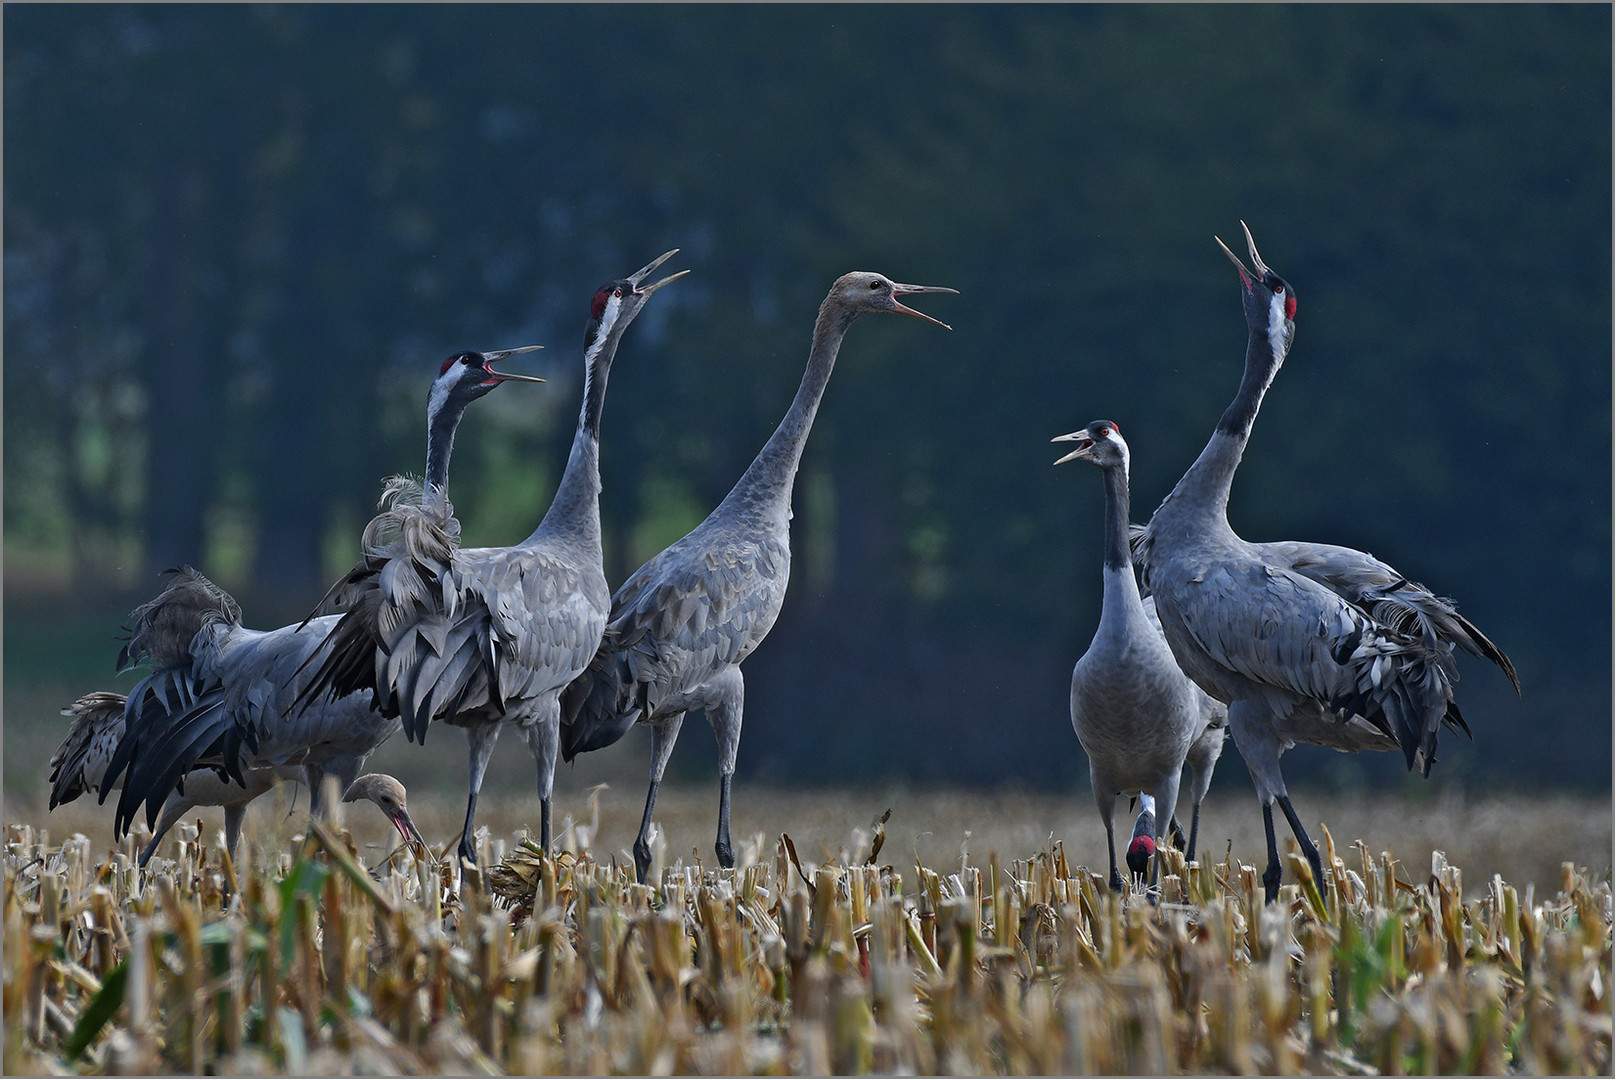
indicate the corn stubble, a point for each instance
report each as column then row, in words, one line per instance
column 309, row 963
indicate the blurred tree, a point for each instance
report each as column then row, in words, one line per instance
column 240, row 239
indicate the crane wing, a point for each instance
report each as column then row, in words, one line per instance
column 678, row 621
column 1387, row 596
column 1281, row 630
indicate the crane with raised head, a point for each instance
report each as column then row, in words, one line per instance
column 682, row 624
column 221, row 695
column 80, row 763
column 1138, row 716
column 484, row 637
column 1306, row 643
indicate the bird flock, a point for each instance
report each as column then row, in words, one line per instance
column 1273, row 644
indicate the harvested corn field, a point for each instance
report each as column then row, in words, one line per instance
column 309, row 962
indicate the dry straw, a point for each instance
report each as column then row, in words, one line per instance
column 312, row 964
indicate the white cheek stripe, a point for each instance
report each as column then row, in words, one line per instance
column 440, row 392
column 1276, row 327
column 608, row 316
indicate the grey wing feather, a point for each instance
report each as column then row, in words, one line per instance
column 1212, row 714
column 434, row 630
column 679, row 620
column 80, row 762
column 1279, row 629
column 1387, row 596
column 224, row 705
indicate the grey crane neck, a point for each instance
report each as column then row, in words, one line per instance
column 768, row 480
column 1204, row 489
column 575, row 511
column 1116, row 518
column 440, row 433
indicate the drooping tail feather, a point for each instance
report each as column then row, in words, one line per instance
column 593, row 715
column 80, row 762
column 165, row 626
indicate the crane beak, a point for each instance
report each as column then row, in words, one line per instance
column 906, row 290
column 406, row 828
column 645, row 272
column 501, row 376
column 1245, row 275
column 1080, row 437
column 1251, row 248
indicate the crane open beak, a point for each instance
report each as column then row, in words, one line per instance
column 906, row 290
column 502, row 376
column 1251, row 247
column 406, row 828
column 1085, row 444
column 645, row 272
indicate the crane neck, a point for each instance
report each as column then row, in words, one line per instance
column 575, row 511
column 441, row 424
column 1117, row 555
column 769, row 478
column 1204, row 489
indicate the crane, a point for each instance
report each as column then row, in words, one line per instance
column 484, row 637
column 1306, row 643
column 80, row 762
column 682, row 624
column 1136, row 713
column 221, row 695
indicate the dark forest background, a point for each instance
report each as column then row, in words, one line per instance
column 239, row 240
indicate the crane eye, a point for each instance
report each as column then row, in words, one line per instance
column 618, row 292
column 876, row 284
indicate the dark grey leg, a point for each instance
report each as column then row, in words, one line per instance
column 664, row 733
column 1308, row 847
column 1271, row 876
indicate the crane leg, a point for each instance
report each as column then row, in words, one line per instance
column 1272, row 873
column 481, row 739
column 1308, row 847
column 175, row 807
column 233, row 816
column 544, row 741
column 664, row 734
column 726, row 694
column 1115, row 880
column 1195, row 829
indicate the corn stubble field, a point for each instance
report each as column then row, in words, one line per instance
column 858, row 954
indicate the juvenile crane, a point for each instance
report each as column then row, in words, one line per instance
column 1307, row 643
column 221, row 695
column 1138, row 716
column 484, row 637
column 79, row 765
column 682, row 623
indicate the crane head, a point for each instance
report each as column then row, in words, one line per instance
column 389, row 796
column 863, row 292
column 1269, row 300
column 467, row 376
column 1139, row 853
column 1099, row 444
column 615, row 303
